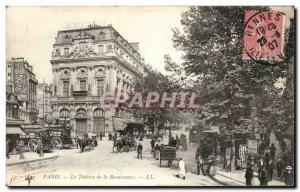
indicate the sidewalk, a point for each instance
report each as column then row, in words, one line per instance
column 238, row 176
column 29, row 157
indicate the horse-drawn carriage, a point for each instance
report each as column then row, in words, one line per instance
column 167, row 153
column 51, row 136
column 207, row 150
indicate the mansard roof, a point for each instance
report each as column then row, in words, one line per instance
column 95, row 33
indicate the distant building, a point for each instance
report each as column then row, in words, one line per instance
column 20, row 75
column 13, row 122
column 87, row 62
column 44, row 94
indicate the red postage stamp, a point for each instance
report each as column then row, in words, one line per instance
column 264, row 36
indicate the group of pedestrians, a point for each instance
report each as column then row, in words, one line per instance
column 267, row 165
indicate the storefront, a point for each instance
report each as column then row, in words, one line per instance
column 13, row 132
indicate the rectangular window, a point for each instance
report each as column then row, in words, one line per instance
column 100, row 86
column 82, row 84
column 101, row 49
column 66, row 52
column 82, row 46
column 66, row 88
column 109, row 48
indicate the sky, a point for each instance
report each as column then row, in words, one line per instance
column 31, row 31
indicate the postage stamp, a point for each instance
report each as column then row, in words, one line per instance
column 264, row 37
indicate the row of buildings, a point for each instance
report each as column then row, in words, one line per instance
column 85, row 63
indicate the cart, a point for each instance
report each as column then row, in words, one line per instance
column 167, row 153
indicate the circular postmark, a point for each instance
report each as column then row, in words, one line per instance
column 266, row 38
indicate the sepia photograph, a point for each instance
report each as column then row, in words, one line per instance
column 150, row 96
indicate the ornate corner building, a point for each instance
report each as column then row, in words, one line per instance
column 86, row 63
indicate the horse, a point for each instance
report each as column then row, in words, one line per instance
column 86, row 142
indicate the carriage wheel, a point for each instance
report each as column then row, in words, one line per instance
column 32, row 145
column 56, row 143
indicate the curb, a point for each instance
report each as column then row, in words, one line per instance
column 231, row 178
column 32, row 160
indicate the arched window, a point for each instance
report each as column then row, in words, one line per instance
column 98, row 112
column 81, row 113
column 64, row 113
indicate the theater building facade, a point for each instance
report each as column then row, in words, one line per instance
column 86, row 63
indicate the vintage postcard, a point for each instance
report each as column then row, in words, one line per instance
column 164, row 96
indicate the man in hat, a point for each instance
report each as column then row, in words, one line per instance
column 249, row 174
column 140, row 151
column 270, row 169
column 288, row 176
column 267, row 155
column 279, row 167
column 272, row 151
column 262, row 176
column 200, row 164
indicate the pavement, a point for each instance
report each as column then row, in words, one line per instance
column 28, row 157
column 102, row 167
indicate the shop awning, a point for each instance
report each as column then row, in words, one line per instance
column 14, row 130
column 121, row 123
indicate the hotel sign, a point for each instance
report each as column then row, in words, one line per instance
column 20, row 79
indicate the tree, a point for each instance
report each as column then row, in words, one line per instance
column 154, row 82
column 212, row 42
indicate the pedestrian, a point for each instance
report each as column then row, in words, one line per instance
column 283, row 145
column 110, row 136
column 249, row 174
column 261, row 134
column 272, row 151
column 211, row 165
column 95, row 141
column 261, row 148
column 288, row 176
column 270, row 169
column 200, row 164
column 40, row 147
column 76, row 141
column 181, row 169
column 267, row 155
column 21, row 149
column 279, row 168
column 152, row 144
column 7, row 148
column 140, row 151
column 156, row 148
column 101, row 136
column 262, row 176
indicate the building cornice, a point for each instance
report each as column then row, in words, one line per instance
column 82, row 60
